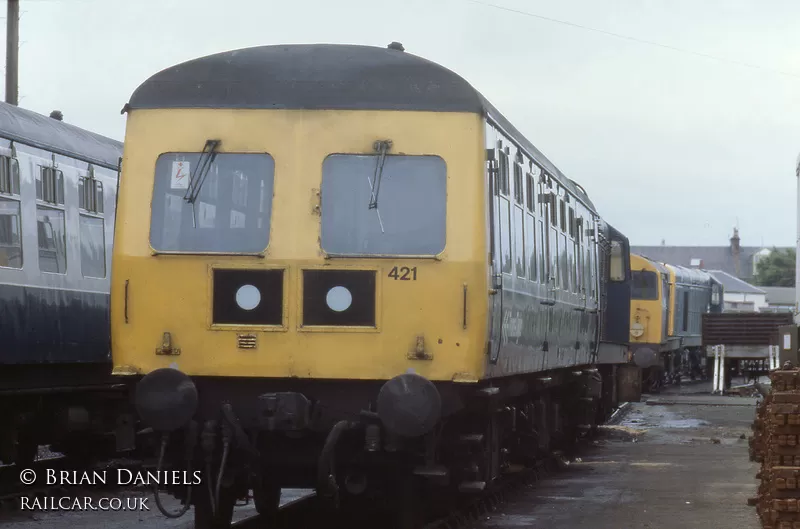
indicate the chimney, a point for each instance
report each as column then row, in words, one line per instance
column 735, row 251
column 57, row 115
column 663, row 242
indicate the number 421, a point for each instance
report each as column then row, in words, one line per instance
column 403, row 273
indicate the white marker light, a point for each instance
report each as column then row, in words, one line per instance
column 248, row 297
column 339, row 299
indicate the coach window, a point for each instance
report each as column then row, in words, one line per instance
column 519, row 219
column 578, row 242
column 572, row 257
column 587, row 261
column 505, row 214
column 563, row 260
column 10, row 229
column 93, row 244
column 50, row 223
column 530, row 229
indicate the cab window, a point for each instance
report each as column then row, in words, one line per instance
column 617, row 268
column 644, row 284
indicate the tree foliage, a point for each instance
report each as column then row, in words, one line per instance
column 776, row 269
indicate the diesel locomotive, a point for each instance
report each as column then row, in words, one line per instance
column 667, row 304
column 57, row 202
column 340, row 267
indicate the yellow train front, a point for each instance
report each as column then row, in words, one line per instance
column 328, row 263
column 667, row 304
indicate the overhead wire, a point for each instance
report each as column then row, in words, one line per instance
column 634, row 39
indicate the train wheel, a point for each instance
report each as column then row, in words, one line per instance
column 204, row 518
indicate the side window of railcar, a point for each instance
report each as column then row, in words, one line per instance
column 552, row 235
column 219, row 207
column 50, row 220
column 588, row 262
column 407, row 217
column 578, row 242
column 519, row 219
column 93, row 244
column 530, row 229
column 563, row 259
column 571, row 251
column 10, row 214
column 505, row 212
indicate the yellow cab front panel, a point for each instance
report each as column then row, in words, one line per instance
column 201, row 296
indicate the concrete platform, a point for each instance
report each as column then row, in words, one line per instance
column 681, row 466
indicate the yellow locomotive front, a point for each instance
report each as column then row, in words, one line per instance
column 300, row 251
column 649, row 311
column 303, row 264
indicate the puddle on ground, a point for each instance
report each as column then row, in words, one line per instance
column 684, row 423
column 663, row 419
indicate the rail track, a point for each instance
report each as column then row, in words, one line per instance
column 308, row 512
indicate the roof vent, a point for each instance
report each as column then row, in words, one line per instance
column 396, row 46
column 57, row 115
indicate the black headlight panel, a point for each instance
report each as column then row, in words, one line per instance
column 339, row 297
column 248, row 297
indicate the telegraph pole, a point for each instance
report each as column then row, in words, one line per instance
column 12, row 51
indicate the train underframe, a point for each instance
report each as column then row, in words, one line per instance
column 685, row 363
column 345, row 441
column 78, row 410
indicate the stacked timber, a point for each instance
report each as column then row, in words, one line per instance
column 758, row 440
column 776, row 444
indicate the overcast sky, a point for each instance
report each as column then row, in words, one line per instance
column 669, row 145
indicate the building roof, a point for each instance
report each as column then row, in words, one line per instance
column 326, row 76
column 734, row 284
column 30, row 128
column 779, row 295
column 712, row 257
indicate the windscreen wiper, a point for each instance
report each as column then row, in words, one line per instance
column 381, row 147
column 198, row 176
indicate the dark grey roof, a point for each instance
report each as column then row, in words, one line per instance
column 716, row 257
column 779, row 295
column 309, row 76
column 28, row 127
column 734, row 284
column 325, row 76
